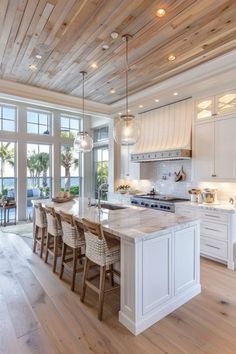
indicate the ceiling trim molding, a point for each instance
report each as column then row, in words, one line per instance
column 35, row 95
column 201, row 72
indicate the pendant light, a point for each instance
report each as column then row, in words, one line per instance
column 83, row 142
column 126, row 130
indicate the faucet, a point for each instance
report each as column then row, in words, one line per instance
column 103, row 187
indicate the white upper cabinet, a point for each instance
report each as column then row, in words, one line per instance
column 203, row 151
column 215, row 106
column 225, row 148
column 226, row 103
column 214, row 152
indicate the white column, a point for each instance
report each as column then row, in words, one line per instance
column 21, row 170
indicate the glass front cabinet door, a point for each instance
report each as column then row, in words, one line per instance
column 205, row 108
column 226, row 103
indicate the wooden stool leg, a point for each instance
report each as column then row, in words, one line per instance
column 42, row 241
column 101, row 291
column 55, row 255
column 111, row 275
column 84, row 277
column 74, row 269
column 47, row 245
column 35, row 238
column 62, row 259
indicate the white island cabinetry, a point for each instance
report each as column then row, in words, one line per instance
column 159, row 259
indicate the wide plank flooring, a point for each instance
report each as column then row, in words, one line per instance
column 39, row 314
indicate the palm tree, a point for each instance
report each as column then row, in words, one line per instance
column 43, row 160
column 67, row 161
column 6, row 156
column 38, row 164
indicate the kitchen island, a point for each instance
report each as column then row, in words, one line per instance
column 159, row 259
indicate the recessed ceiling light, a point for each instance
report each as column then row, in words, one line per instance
column 114, row 35
column 33, row 67
column 105, row 46
column 112, row 90
column 171, row 57
column 120, row 113
column 140, row 106
column 38, row 56
column 161, row 12
column 156, row 100
column 129, row 110
column 94, row 66
column 175, row 93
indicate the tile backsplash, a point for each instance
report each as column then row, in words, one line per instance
column 165, row 177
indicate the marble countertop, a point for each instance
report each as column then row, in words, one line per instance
column 221, row 206
column 132, row 223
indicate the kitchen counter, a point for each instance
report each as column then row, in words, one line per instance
column 221, row 206
column 160, row 259
column 132, row 223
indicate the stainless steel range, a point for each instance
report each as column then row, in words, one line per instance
column 157, row 201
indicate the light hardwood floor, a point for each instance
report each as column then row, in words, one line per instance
column 39, row 313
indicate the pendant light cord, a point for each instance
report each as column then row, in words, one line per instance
column 83, row 96
column 127, row 69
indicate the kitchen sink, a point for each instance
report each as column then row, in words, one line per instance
column 112, row 206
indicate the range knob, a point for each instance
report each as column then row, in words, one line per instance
column 161, row 206
column 146, row 205
column 152, row 206
column 142, row 203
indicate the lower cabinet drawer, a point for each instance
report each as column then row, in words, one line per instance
column 214, row 248
column 214, row 230
column 208, row 215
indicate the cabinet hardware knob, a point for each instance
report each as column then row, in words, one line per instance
column 213, row 175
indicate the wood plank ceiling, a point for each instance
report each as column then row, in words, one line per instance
column 69, row 36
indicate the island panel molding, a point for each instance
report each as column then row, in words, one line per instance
column 160, row 282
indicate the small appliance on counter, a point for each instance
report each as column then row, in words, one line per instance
column 194, row 195
column 209, row 196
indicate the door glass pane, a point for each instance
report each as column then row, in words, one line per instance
column 39, row 180
column 7, row 175
column 100, row 169
column 32, row 128
column 70, row 180
column 226, row 103
column 9, row 113
column 204, row 108
column 32, row 117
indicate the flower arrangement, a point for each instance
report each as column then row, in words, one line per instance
column 123, row 188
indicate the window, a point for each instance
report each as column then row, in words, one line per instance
column 38, row 122
column 100, row 168
column 100, row 134
column 7, row 169
column 8, row 118
column 69, row 126
column 39, row 180
column 70, row 180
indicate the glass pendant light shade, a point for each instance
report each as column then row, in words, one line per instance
column 83, row 142
column 126, row 130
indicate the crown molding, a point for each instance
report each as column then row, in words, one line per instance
column 192, row 76
column 35, row 95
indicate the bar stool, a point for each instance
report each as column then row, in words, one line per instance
column 72, row 239
column 54, row 236
column 40, row 228
column 103, row 251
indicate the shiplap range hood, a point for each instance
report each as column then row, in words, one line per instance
column 165, row 133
